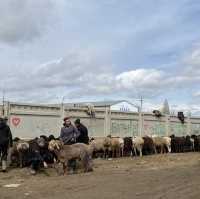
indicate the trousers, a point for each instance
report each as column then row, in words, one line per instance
column 3, row 151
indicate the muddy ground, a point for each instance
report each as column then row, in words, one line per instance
column 151, row 177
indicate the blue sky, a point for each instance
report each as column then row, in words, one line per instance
column 99, row 50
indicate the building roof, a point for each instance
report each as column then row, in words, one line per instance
column 99, row 103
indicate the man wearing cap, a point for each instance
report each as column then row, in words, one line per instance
column 5, row 142
column 83, row 138
column 69, row 135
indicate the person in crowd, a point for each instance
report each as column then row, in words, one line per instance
column 83, row 138
column 5, row 142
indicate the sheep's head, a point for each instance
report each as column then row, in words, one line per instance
column 41, row 142
column 91, row 139
column 22, row 146
column 55, row 145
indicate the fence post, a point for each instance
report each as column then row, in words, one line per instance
column 7, row 111
column 140, row 124
column 107, row 122
column 62, row 114
column 167, row 123
column 110, row 122
column 188, row 125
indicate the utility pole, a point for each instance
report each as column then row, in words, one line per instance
column 3, row 101
column 141, row 103
column 62, row 108
column 141, row 117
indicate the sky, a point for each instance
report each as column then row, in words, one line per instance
column 101, row 50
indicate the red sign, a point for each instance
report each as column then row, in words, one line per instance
column 16, row 121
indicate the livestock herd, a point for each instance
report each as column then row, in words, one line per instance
column 44, row 152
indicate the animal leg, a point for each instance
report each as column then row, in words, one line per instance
column 155, row 151
column 122, row 151
column 140, row 152
column 21, row 159
column 169, row 149
column 135, row 151
column 45, row 165
column 65, row 168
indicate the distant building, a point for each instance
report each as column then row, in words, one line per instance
column 121, row 105
column 165, row 108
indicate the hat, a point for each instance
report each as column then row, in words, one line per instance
column 66, row 118
column 77, row 121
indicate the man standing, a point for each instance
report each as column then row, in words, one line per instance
column 69, row 135
column 83, row 138
column 5, row 142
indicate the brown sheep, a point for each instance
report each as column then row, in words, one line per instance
column 77, row 151
column 99, row 145
column 18, row 152
column 160, row 144
column 117, row 145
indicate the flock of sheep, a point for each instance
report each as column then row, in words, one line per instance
column 48, row 151
column 119, row 147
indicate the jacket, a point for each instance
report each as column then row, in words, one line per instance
column 83, row 138
column 5, row 134
column 69, row 134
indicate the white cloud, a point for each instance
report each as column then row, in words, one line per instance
column 118, row 52
column 196, row 94
column 24, row 20
column 192, row 63
column 83, row 75
column 141, row 78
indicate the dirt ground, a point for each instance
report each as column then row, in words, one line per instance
column 151, row 177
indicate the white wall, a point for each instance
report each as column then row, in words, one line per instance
column 29, row 121
column 29, row 126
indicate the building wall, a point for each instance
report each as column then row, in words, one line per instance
column 124, row 107
column 28, row 121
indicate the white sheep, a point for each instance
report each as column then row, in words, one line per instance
column 138, row 144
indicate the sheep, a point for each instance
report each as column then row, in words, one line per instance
column 167, row 143
column 22, row 148
column 148, row 147
column 96, row 145
column 181, row 144
column 196, row 142
column 128, row 146
column 192, row 142
column 65, row 153
column 107, row 143
column 138, row 144
column 117, row 145
column 18, row 153
column 121, row 142
column 159, row 144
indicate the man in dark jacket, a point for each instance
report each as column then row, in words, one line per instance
column 69, row 135
column 5, row 142
column 83, row 138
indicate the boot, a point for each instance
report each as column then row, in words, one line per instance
column 70, row 172
column 4, row 165
column 32, row 172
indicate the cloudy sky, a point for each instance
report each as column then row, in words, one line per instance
column 101, row 50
